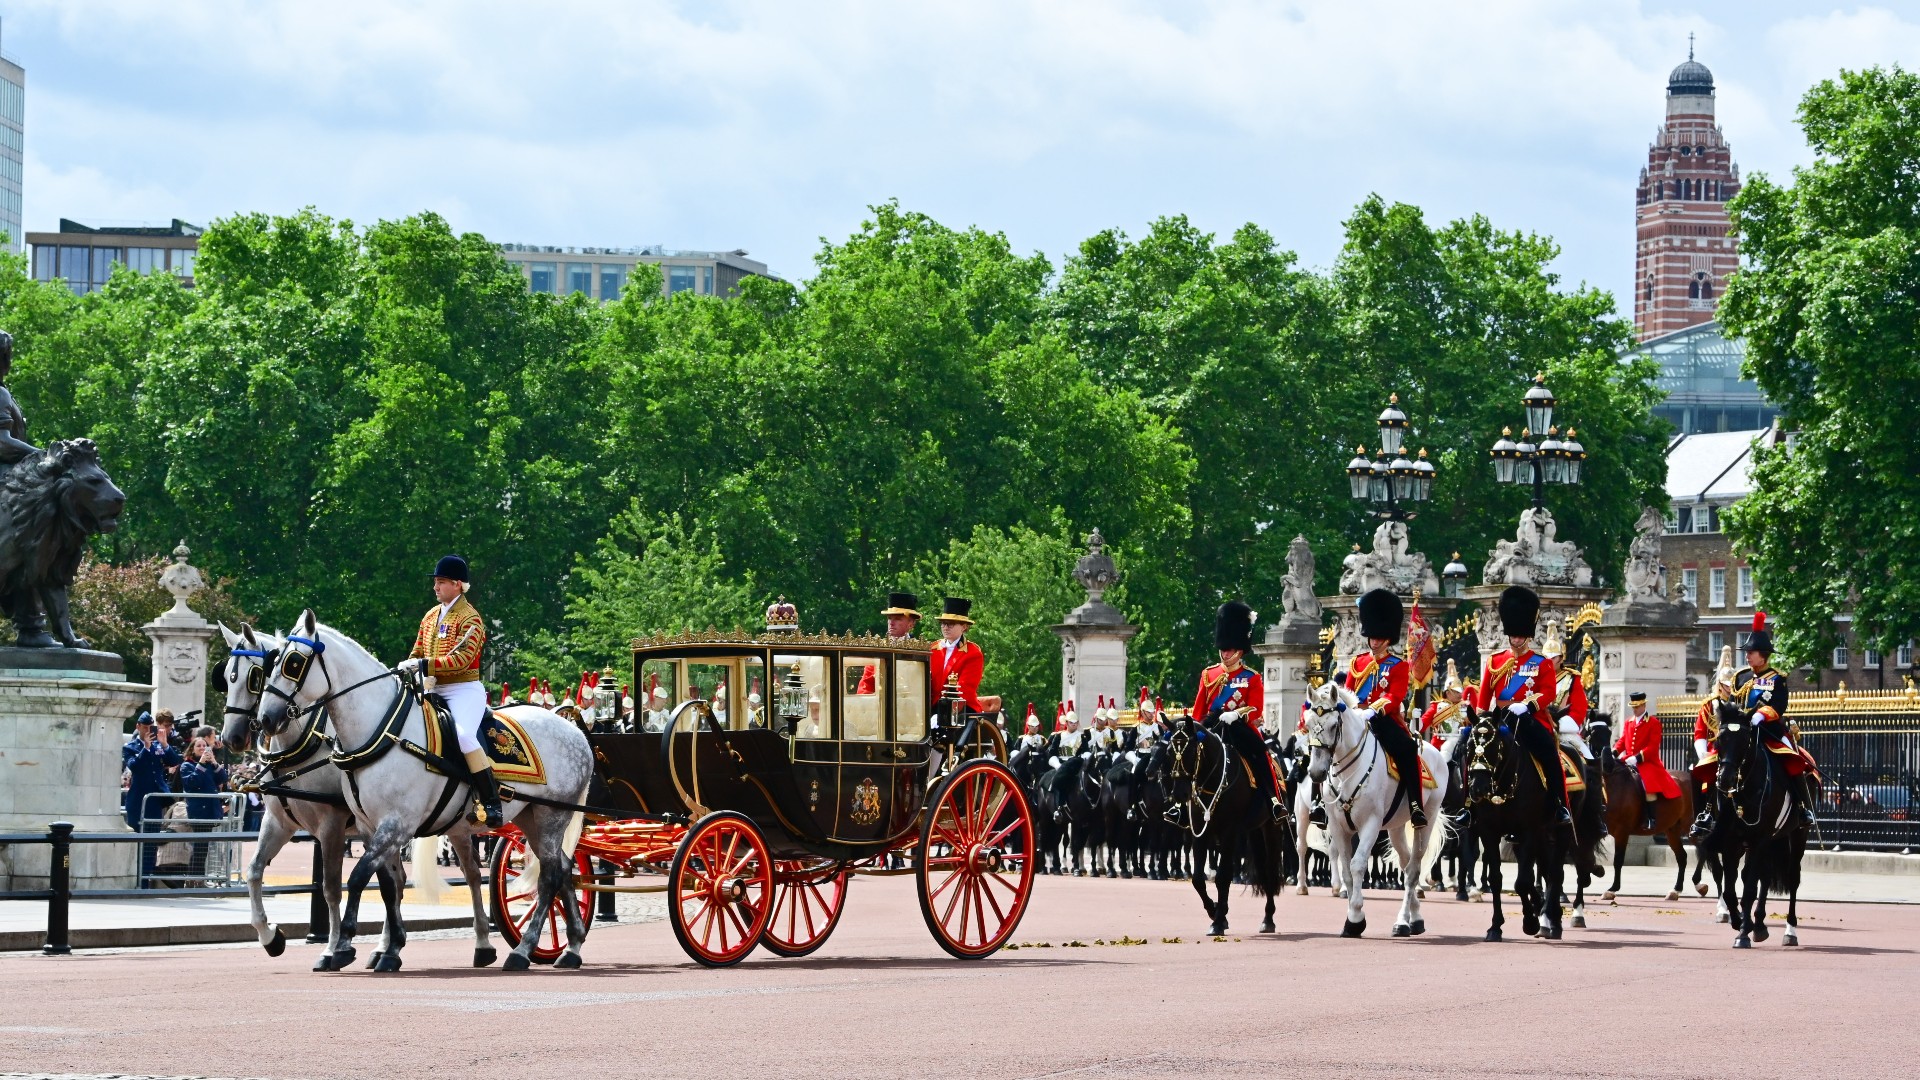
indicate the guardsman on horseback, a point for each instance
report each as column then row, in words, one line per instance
column 1381, row 681
column 1444, row 715
column 1519, row 683
column 1761, row 690
column 1569, row 700
column 1232, row 697
column 1031, row 740
column 447, row 649
column 1103, row 739
column 1638, row 748
column 1068, row 740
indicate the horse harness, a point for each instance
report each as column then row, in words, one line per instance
column 1199, row 798
column 312, row 737
column 1346, row 801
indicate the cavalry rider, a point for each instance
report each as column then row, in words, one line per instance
column 1444, row 715
column 1232, row 698
column 1068, row 740
column 957, row 661
column 1031, row 740
column 1638, row 748
column 1146, row 735
column 1103, row 739
column 1761, row 690
column 1381, row 681
column 1569, row 700
column 1517, row 681
column 447, row 648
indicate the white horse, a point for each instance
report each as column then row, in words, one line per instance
column 395, row 798
column 1351, row 767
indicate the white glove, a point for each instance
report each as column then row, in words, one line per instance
column 1633, row 760
column 411, row 665
column 1519, row 710
column 1699, row 749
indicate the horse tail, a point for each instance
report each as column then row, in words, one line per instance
column 427, row 883
column 1267, row 862
column 576, row 824
column 1437, row 835
column 1783, row 862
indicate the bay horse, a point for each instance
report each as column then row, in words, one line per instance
column 1215, row 800
column 1626, row 808
column 394, row 796
column 1759, row 835
column 1507, row 796
column 1362, row 800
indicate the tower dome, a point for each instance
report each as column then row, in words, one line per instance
column 1691, row 77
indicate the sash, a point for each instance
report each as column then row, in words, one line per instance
column 1758, row 691
column 1371, row 681
column 1519, row 683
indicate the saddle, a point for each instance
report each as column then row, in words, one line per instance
column 506, row 743
column 1571, row 767
column 1426, row 773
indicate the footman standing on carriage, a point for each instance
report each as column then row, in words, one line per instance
column 1381, row 681
column 1232, row 697
column 1638, row 748
column 957, row 661
column 447, row 649
column 1519, row 682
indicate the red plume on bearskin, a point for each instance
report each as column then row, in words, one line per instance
column 1759, row 620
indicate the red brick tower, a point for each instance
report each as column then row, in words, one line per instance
column 1684, row 250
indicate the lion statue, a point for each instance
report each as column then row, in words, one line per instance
column 50, row 502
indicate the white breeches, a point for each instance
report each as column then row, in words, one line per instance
column 468, row 700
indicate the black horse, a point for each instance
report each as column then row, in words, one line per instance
column 1121, row 818
column 1507, row 796
column 1216, row 800
column 1759, row 835
column 1086, row 819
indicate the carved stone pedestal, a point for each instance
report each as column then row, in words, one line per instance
column 180, row 639
column 1094, row 636
column 1285, row 654
column 1642, row 647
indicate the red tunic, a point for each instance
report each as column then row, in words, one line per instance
column 1243, row 689
column 1508, row 678
column 1381, row 684
column 1441, row 711
column 965, row 660
column 1706, row 728
column 1641, row 735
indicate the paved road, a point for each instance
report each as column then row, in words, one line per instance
column 1623, row 998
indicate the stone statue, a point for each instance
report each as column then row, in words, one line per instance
column 1536, row 556
column 14, row 446
column 50, row 501
column 1095, row 571
column 1646, row 574
column 1388, row 566
column 1298, row 604
column 181, row 580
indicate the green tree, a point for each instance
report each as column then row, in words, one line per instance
column 1828, row 308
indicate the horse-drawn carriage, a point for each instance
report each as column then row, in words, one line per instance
column 790, row 764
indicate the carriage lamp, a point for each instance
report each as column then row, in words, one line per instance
column 1539, row 404
column 1390, row 481
column 1453, row 579
column 1554, row 461
column 793, row 698
column 1505, row 453
column 1393, row 426
column 1359, row 472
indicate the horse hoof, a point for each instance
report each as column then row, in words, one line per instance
column 1672, row 895
column 1493, row 934
column 1353, row 929
column 325, row 963
column 1700, row 887
column 1267, row 927
column 1461, row 895
column 1126, row 875
column 1530, row 926
column 484, row 956
column 343, row 958
column 1792, row 938
column 1419, row 927
column 1079, row 873
column 1760, row 931
column 1218, row 929
column 388, row 962
column 1300, row 890
column 373, row 961
column 1608, row 895
column 515, row 962
column 1741, row 942
column 1402, row 930
column 1552, row 933
column 276, row 944
column 1579, row 922
column 568, row 961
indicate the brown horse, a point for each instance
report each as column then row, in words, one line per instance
column 1626, row 811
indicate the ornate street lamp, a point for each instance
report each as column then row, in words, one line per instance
column 1453, row 579
column 1553, row 461
column 1392, row 481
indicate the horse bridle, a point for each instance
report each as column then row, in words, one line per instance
column 296, row 666
column 1480, row 736
column 1335, row 768
column 1196, row 800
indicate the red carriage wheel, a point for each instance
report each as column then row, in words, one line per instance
column 722, row 892
column 513, row 894
column 975, row 861
column 808, row 897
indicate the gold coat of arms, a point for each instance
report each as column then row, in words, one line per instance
column 866, row 802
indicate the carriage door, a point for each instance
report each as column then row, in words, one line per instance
column 910, row 745
column 868, row 757
column 804, row 715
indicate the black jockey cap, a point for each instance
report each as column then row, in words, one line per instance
column 1233, row 627
column 1761, row 639
column 451, row 567
column 1381, row 614
column 902, row 603
column 956, row 610
column 1519, row 611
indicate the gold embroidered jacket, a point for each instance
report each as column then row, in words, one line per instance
column 451, row 645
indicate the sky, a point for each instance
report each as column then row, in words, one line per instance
column 770, row 126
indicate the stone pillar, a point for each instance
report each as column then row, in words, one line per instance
column 1643, row 646
column 63, row 715
column 1285, row 656
column 1094, row 636
column 180, row 639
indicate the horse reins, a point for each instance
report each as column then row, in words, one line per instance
column 1346, row 802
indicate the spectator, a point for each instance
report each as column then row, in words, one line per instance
column 147, row 759
column 202, row 780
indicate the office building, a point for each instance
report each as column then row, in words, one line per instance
column 1700, row 372
column 602, row 273
column 83, row 256
column 13, row 114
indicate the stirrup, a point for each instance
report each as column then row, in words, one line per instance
column 1279, row 809
column 1417, row 814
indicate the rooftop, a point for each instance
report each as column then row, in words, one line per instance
column 1713, row 466
column 175, row 228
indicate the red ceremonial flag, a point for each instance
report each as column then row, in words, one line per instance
column 1420, row 645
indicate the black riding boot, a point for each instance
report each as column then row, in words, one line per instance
column 1649, row 811
column 1805, row 796
column 1317, row 810
column 486, row 799
column 1415, row 812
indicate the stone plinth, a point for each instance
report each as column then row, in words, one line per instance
column 1093, row 655
column 180, row 639
column 1643, row 646
column 62, row 723
column 1285, row 655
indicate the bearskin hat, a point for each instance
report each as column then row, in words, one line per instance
column 1519, row 611
column 1233, row 627
column 1381, row 614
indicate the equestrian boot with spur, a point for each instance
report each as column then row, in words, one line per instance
column 486, row 791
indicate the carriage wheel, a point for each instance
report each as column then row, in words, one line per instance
column 513, row 893
column 722, row 889
column 974, row 865
column 807, row 900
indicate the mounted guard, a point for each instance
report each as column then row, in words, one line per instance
column 1638, row 748
column 1381, row 681
column 1760, row 691
column 1444, row 715
column 1517, row 682
column 1232, row 698
column 446, row 649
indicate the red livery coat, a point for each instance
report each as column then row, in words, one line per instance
column 967, row 662
column 1381, row 684
column 1641, row 735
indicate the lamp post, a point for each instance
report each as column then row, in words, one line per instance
column 1553, row 461
column 1453, row 579
column 1391, row 481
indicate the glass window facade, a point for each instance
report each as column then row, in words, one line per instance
column 182, row 261
column 542, row 277
column 613, row 281
column 681, row 278
column 1700, row 371
column 580, row 279
column 13, row 114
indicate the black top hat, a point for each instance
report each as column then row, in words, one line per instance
column 451, row 567
column 1233, row 626
column 1638, row 697
column 1761, row 639
column 1519, row 611
column 902, row 603
column 955, row 610
column 1381, row 614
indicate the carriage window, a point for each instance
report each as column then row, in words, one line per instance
column 753, row 687
column 718, row 683
column 863, row 708
column 801, row 696
column 910, row 700
column 659, row 693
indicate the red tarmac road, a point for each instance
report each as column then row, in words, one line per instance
column 1633, row 995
